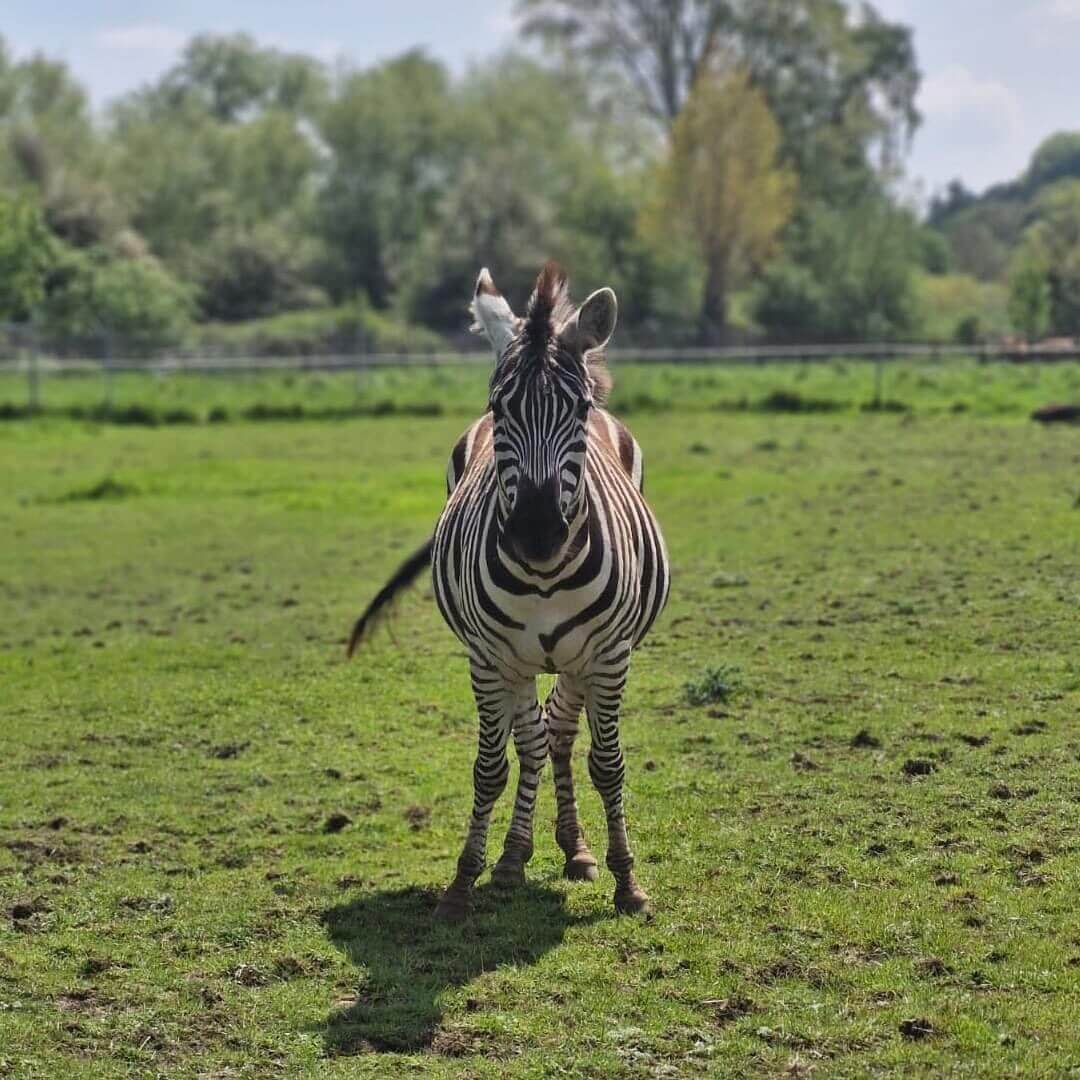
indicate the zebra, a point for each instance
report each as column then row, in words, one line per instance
column 546, row 559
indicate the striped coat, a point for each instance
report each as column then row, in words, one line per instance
column 546, row 558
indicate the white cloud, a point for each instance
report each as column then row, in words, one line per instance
column 323, row 49
column 974, row 128
column 144, row 37
column 1065, row 10
column 502, row 23
column 956, row 89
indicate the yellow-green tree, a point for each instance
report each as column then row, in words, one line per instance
column 722, row 188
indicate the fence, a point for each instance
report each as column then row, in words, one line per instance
column 21, row 353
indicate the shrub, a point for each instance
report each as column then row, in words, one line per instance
column 352, row 328
column 716, row 685
column 91, row 296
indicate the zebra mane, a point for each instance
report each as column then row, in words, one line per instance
column 547, row 318
column 550, row 308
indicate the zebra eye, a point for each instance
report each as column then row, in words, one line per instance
column 496, row 410
column 583, row 408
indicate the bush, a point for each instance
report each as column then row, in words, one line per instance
column 26, row 252
column 716, row 685
column 92, row 297
column 952, row 305
column 349, row 329
column 968, row 331
column 253, row 273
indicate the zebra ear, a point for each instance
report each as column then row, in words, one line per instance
column 592, row 326
column 491, row 314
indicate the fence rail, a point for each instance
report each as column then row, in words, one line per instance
column 28, row 359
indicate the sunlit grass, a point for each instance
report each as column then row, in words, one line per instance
column 180, row 896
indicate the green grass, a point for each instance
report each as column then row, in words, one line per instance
column 220, row 845
column 952, row 385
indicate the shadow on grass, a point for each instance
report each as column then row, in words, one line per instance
column 408, row 960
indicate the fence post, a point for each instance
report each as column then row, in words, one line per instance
column 33, row 374
column 359, row 351
column 879, row 378
column 106, row 370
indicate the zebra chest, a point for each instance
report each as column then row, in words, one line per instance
column 550, row 633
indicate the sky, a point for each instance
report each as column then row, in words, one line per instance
column 999, row 75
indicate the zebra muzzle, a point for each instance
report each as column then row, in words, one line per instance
column 536, row 528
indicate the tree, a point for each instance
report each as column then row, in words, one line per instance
column 388, row 132
column 233, row 79
column 218, row 166
column 53, row 152
column 722, row 188
column 1057, row 158
column 943, row 206
column 847, row 275
column 662, row 46
column 1055, row 239
column 1029, row 296
column 26, row 253
column 534, row 172
column 253, row 272
column 92, row 296
column 838, row 83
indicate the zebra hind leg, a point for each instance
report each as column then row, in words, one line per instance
column 607, row 768
column 490, row 773
column 530, row 741
column 563, row 709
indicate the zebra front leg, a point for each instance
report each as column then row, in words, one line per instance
column 604, row 690
column 530, row 741
column 494, row 702
column 563, row 708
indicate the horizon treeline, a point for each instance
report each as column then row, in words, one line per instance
column 732, row 170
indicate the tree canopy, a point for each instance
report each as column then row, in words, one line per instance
column 722, row 190
column 730, row 167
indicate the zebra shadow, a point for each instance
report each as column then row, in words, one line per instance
column 408, row 962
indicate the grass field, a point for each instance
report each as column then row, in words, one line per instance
column 220, row 845
column 951, row 386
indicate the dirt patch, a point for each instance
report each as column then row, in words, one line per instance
column 286, row 968
column 917, row 1029
column 336, row 822
column 918, row 767
column 1033, row 727
column 83, row 1000
column 418, row 817
column 157, row 905
column 228, row 750
column 24, row 914
column 102, row 490
column 98, row 965
column 249, row 975
column 464, row 1042
column 864, row 740
column 728, row 1010
column 33, row 853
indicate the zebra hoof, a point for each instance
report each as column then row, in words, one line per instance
column 632, row 901
column 508, row 874
column 581, row 867
column 454, row 907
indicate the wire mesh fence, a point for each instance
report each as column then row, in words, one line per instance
column 31, row 361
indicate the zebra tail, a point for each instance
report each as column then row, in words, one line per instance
column 406, row 574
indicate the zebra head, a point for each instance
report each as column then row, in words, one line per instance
column 549, row 372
